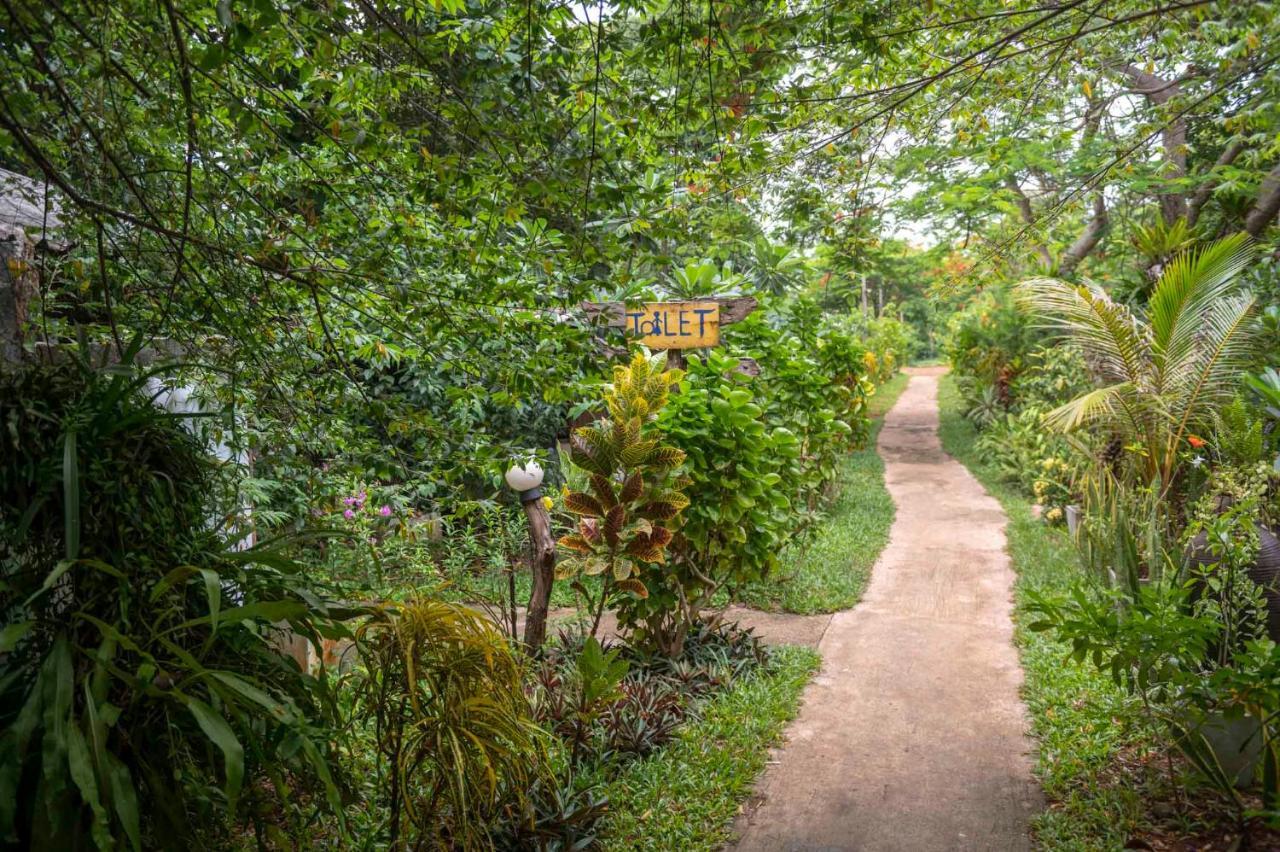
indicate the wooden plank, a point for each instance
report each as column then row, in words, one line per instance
column 732, row 309
column 674, row 325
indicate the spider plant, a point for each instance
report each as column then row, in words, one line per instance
column 1165, row 370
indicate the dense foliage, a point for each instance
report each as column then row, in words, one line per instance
column 143, row 691
column 357, row 236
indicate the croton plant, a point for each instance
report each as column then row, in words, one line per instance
column 631, row 508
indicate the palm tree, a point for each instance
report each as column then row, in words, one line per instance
column 1164, row 371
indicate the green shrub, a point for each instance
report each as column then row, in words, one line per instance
column 143, row 697
column 813, row 382
column 452, row 725
column 739, row 469
column 989, row 341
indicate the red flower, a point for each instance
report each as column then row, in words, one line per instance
column 1195, row 441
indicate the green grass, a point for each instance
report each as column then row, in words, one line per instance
column 686, row 796
column 1080, row 718
column 828, row 570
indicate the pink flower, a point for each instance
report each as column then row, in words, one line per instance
column 385, row 511
column 348, row 514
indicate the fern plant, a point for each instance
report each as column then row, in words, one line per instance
column 629, row 511
column 1165, row 373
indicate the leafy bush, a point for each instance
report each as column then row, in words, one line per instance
column 1051, row 376
column 627, row 516
column 612, row 702
column 988, row 341
column 739, row 470
column 1041, row 463
column 452, row 725
column 145, row 700
column 890, row 341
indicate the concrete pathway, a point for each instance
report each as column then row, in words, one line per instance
column 912, row 737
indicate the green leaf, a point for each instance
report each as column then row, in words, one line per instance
column 213, row 594
column 124, row 799
column 258, row 611
column 221, row 735
column 71, row 496
column 278, row 710
column 12, row 634
column 81, row 769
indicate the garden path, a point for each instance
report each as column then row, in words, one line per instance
column 913, row 735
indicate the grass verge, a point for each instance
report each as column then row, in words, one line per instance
column 828, row 570
column 1086, row 730
column 686, row 796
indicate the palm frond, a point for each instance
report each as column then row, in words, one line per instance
column 1088, row 407
column 1115, row 341
column 1192, row 283
column 1209, row 375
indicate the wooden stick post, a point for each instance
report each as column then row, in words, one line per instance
column 525, row 478
column 543, row 565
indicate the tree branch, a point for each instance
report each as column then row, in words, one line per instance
column 1087, row 241
column 1028, row 217
column 1207, row 186
column 1267, row 205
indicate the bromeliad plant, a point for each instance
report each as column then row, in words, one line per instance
column 628, row 514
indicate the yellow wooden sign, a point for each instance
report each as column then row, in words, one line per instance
column 674, row 325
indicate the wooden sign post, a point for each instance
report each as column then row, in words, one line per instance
column 673, row 326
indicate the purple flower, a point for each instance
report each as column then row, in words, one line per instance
column 348, row 514
column 385, row 511
column 348, row 501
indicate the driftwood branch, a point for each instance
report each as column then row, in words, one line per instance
column 543, row 564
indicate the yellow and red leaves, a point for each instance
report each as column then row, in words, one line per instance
column 659, row 510
column 603, row 490
column 576, row 543
column 634, row 586
column 583, row 504
column 632, row 488
column 638, row 453
column 665, row 457
column 650, row 547
column 613, row 522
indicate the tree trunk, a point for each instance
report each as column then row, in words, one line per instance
column 1087, row 241
column 1205, row 190
column 1158, row 90
column 17, row 288
column 1265, row 208
column 543, row 565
